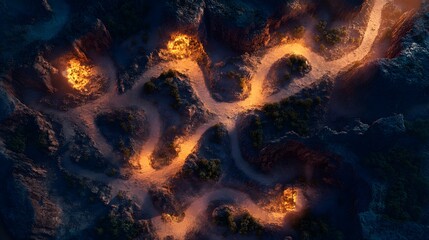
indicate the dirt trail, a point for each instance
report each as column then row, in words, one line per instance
column 224, row 112
column 195, row 212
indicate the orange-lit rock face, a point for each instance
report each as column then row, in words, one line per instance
column 179, row 46
column 78, row 75
column 283, row 202
column 182, row 46
column 289, row 199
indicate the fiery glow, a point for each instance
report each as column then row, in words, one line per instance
column 179, row 46
column 78, row 74
column 284, row 201
column 289, row 199
column 182, row 46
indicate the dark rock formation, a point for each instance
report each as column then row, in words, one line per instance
column 7, row 104
column 174, row 95
column 26, row 209
column 180, row 109
column 386, row 86
column 124, row 129
column 165, row 202
column 285, row 70
column 301, row 114
column 29, row 144
column 241, row 24
column 231, row 79
column 123, row 222
column 389, row 126
column 28, row 131
column 37, row 74
column 187, row 15
column 98, row 39
column 84, row 153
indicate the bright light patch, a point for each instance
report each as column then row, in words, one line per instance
column 289, row 199
column 179, row 46
column 182, row 46
column 78, row 74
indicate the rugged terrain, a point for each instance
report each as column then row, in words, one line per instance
column 211, row 119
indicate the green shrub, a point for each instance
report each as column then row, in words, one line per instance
column 419, row 129
column 407, row 189
column 219, row 133
column 257, row 133
column 117, row 227
column 205, row 169
column 149, row 87
column 248, row 224
column 244, row 223
column 168, row 74
column 298, row 32
column 226, row 218
column 329, row 36
column 311, row 227
column 126, row 19
column 298, row 64
column 174, row 92
column 112, row 172
column 125, row 150
column 292, row 113
column 17, row 142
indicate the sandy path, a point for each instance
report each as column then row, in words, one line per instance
column 194, row 214
column 224, row 112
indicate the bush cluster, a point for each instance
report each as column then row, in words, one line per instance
column 292, row 113
column 244, row 223
column 407, row 189
column 204, row 169
column 327, row 36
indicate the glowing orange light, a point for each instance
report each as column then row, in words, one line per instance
column 182, row 46
column 289, row 199
column 78, row 74
column 179, row 46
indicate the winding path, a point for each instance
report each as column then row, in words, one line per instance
column 226, row 113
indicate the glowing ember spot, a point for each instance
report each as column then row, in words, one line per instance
column 289, row 199
column 179, row 46
column 78, row 74
column 182, row 46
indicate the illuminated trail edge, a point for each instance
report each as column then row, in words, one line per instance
column 225, row 113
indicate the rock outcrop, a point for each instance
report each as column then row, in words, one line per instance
column 124, row 129
column 7, row 104
column 98, row 39
column 38, row 74
column 241, row 24
column 26, row 208
column 231, row 79
column 387, row 86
